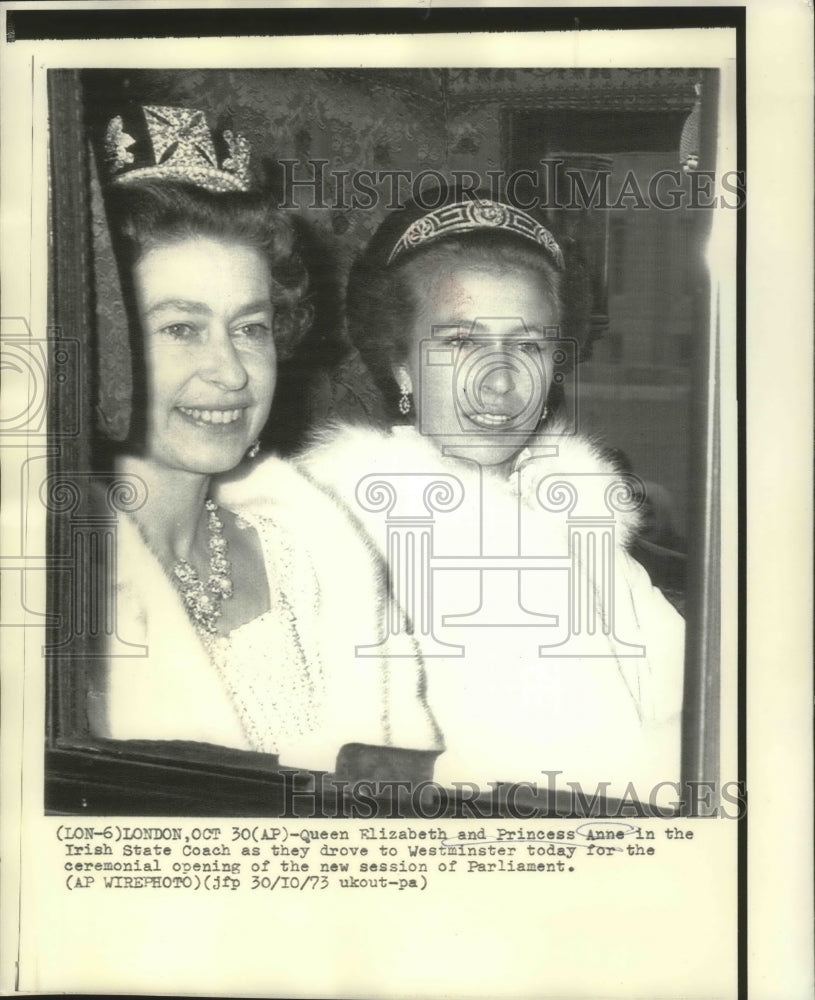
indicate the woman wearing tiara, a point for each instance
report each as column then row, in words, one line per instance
column 250, row 597
column 546, row 646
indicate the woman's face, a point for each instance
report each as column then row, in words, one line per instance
column 479, row 361
column 206, row 314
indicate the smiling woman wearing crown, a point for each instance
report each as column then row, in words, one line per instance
column 547, row 647
column 239, row 591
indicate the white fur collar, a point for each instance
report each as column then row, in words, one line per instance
column 342, row 453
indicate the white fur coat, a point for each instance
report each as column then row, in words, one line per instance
column 604, row 706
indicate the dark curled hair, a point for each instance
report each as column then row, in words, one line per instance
column 383, row 302
column 150, row 214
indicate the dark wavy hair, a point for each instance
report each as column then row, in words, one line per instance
column 145, row 215
column 383, row 300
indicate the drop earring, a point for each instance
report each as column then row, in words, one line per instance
column 404, row 401
column 253, row 451
column 544, row 415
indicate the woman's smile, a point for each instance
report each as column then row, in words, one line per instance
column 487, row 419
column 212, row 417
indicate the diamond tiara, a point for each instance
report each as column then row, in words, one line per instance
column 468, row 216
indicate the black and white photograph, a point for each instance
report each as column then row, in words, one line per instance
column 376, row 495
column 439, row 502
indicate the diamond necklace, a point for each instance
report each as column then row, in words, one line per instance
column 203, row 603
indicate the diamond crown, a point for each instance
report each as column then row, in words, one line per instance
column 176, row 144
